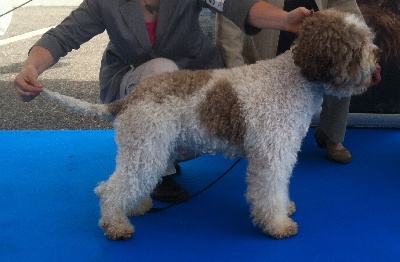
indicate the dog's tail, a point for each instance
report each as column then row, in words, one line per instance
column 81, row 106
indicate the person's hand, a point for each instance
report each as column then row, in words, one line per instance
column 266, row 16
column 295, row 18
column 26, row 83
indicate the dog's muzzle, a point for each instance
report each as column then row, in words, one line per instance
column 376, row 76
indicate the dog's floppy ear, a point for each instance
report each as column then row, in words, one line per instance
column 328, row 48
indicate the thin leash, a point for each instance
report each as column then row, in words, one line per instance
column 159, row 209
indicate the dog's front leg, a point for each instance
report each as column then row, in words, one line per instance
column 267, row 192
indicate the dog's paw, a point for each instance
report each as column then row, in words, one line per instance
column 142, row 208
column 292, row 208
column 282, row 229
column 117, row 230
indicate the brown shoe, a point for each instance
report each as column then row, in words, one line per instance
column 168, row 190
column 340, row 156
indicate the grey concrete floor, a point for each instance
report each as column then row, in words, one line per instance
column 75, row 75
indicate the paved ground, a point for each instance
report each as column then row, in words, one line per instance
column 76, row 75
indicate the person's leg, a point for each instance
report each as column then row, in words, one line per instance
column 331, row 130
column 151, row 68
column 168, row 190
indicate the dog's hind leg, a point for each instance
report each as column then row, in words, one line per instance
column 268, row 182
column 143, row 157
column 124, row 194
column 114, row 220
column 141, row 208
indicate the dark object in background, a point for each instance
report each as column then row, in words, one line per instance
column 384, row 98
column 383, row 16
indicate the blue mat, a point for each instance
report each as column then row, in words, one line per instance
column 50, row 213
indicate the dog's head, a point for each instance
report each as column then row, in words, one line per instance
column 337, row 50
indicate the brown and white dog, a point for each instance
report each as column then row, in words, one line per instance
column 261, row 111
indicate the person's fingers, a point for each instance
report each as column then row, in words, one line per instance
column 27, row 86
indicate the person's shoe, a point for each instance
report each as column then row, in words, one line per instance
column 168, row 190
column 341, row 155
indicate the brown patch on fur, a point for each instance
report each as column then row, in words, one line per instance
column 221, row 114
column 181, row 84
column 322, row 61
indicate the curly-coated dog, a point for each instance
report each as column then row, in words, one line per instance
column 260, row 111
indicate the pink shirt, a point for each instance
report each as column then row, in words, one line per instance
column 151, row 28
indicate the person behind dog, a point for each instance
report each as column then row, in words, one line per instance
column 238, row 49
column 147, row 37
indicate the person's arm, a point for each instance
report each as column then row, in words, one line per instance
column 266, row 16
column 253, row 15
column 81, row 25
column 26, row 82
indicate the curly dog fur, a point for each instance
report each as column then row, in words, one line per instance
column 260, row 111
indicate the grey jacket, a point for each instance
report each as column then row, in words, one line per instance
column 178, row 35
